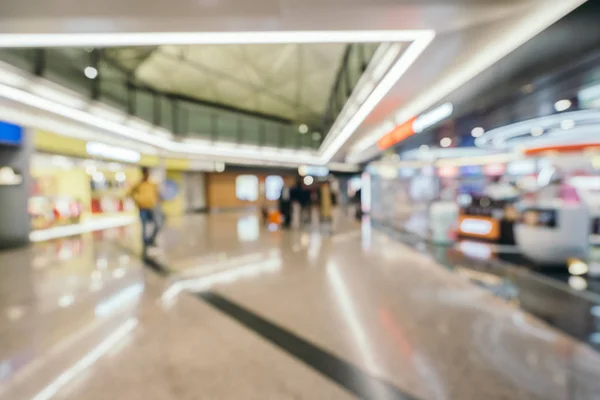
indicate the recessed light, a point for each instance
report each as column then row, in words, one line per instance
column 219, row 167
column 562, row 105
column 477, row 131
column 537, row 131
column 90, row 72
column 316, row 136
column 445, row 142
column 308, row 180
column 303, row 128
column 567, row 124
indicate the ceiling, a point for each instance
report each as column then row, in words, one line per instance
column 470, row 36
column 290, row 81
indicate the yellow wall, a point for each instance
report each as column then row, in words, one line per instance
column 176, row 206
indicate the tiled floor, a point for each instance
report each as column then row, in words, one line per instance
column 83, row 319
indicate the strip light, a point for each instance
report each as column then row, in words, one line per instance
column 484, row 59
column 389, row 80
column 197, row 38
column 420, row 40
column 88, row 360
column 98, row 149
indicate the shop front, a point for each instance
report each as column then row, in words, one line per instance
column 14, row 154
column 80, row 186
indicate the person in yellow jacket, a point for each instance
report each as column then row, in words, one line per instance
column 146, row 196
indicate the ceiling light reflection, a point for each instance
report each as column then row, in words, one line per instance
column 66, row 300
column 89, row 359
column 578, row 283
column 125, row 297
column 349, row 312
column 228, row 276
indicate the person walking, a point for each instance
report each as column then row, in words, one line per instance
column 146, row 196
column 285, row 206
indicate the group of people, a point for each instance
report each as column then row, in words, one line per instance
column 306, row 198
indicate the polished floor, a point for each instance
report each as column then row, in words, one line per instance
column 246, row 312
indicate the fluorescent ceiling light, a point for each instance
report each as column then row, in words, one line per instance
column 57, row 95
column 105, row 112
column 389, row 80
column 103, row 150
column 484, row 59
column 111, row 122
column 11, row 77
column 505, row 136
column 195, row 38
column 432, row 117
column 384, row 62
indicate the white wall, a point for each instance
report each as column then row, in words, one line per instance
column 195, row 190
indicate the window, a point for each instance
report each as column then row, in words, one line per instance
column 246, row 187
column 273, row 186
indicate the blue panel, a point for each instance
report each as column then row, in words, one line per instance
column 470, row 170
column 10, row 134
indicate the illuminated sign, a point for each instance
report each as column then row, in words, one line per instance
column 97, row 149
column 476, row 226
column 415, row 125
column 10, row 134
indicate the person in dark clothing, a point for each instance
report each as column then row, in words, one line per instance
column 285, row 206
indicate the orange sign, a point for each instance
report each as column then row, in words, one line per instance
column 478, row 227
column 396, row 135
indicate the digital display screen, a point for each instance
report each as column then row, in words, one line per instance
column 539, row 217
column 596, row 226
column 10, row 134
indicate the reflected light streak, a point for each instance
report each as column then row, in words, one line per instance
column 228, row 276
column 248, row 229
column 224, row 264
column 350, row 315
column 125, row 297
column 88, row 360
column 366, row 233
column 314, row 247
